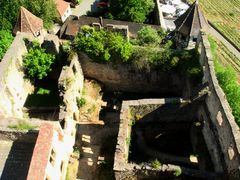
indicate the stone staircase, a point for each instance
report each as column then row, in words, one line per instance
column 15, row 159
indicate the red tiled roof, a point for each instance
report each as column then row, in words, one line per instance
column 62, row 6
column 41, row 152
column 27, row 22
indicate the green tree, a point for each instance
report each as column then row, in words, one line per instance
column 148, row 36
column 45, row 9
column 102, row 46
column 6, row 39
column 37, row 63
column 131, row 10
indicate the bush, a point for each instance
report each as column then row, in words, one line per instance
column 147, row 58
column 6, row 39
column 37, row 63
column 148, row 36
column 102, row 46
column 156, row 164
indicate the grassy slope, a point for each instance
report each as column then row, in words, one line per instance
column 227, row 77
column 225, row 14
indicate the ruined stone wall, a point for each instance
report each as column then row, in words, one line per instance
column 14, row 88
column 122, row 168
column 70, row 86
column 119, row 77
column 220, row 130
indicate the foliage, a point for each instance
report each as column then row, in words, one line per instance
column 131, row 10
column 45, row 9
column 102, row 46
column 148, row 36
column 66, row 46
column 22, row 125
column 177, row 172
column 128, row 141
column 156, row 164
column 37, row 63
column 43, row 91
column 6, row 39
column 148, row 58
column 80, row 102
column 227, row 79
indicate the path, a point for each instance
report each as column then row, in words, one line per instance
column 84, row 7
column 224, row 41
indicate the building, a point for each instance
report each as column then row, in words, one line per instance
column 188, row 26
column 28, row 23
column 63, row 9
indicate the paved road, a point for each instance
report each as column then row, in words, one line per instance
column 84, row 7
column 224, row 41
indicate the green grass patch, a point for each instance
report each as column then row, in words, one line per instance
column 22, row 125
column 227, row 79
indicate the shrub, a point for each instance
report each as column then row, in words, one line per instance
column 148, row 36
column 6, row 39
column 102, row 46
column 156, row 164
column 37, row 63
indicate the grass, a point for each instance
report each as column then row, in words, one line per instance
column 22, row 125
column 227, row 78
column 224, row 15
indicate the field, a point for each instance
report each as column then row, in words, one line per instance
column 225, row 15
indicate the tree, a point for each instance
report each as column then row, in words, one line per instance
column 102, row 46
column 131, row 10
column 37, row 63
column 6, row 39
column 45, row 9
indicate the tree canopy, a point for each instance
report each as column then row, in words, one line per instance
column 6, row 39
column 37, row 63
column 45, row 9
column 103, row 46
column 131, row 10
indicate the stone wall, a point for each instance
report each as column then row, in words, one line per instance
column 221, row 132
column 119, row 77
column 14, row 89
column 70, row 85
column 122, row 168
column 159, row 15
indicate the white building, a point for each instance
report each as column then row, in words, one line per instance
column 63, row 9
